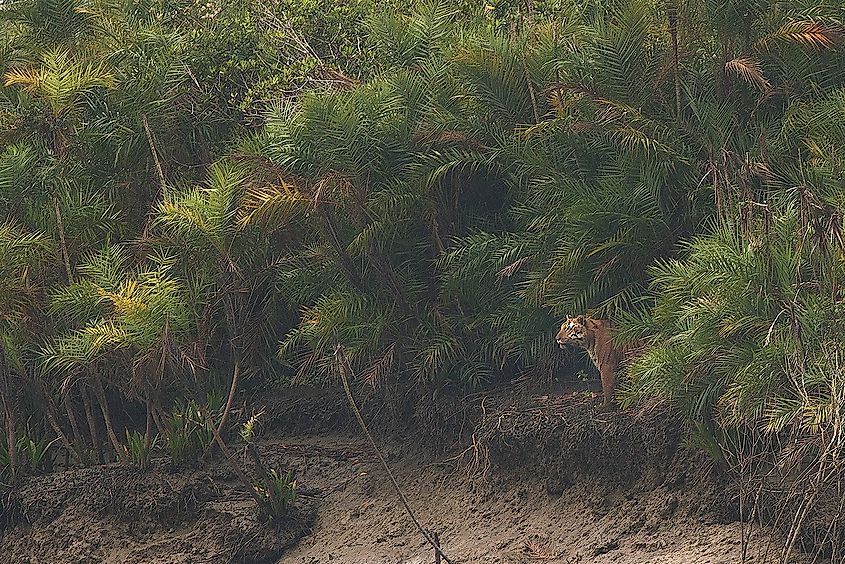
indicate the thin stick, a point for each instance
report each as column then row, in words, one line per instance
column 227, row 454
column 155, row 157
column 233, row 389
column 530, row 83
column 51, row 418
column 346, row 375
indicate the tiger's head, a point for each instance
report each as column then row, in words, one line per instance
column 573, row 331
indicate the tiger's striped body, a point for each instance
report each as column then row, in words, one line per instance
column 594, row 336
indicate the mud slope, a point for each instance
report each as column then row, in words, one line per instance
column 614, row 488
column 543, row 479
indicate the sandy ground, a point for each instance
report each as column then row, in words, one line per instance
column 501, row 520
column 545, row 480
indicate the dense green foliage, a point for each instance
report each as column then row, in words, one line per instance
column 194, row 196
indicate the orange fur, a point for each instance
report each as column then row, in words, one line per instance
column 594, row 336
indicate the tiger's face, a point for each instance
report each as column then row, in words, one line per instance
column 573, row 331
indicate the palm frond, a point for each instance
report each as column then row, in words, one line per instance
column 807, row 34
column 272, row 206
column 749, row 70
column 60, row 80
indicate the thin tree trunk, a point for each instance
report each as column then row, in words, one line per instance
column 236, row 372
column 435, row 233
column 54, row 423
column 104, row 407
column 159, row 170
column 92, row 426
column 71, row 416
column 11, row 438
column 148, row 401
column 148, row 431
column 61, row 226
column 343, row 258
column 12, row 442
column 9, row 418
column 264, row 474
column 531, row 93
column 234, row 337
column 529, row 9
column 158, row 418
column 347, row 375
column 388, row 276
column 672, row 15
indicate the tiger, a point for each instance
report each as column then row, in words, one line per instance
column 594, row 336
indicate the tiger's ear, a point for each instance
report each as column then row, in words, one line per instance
column 580, row 319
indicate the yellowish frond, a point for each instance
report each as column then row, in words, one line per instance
column 808, row 34
column 125, row 301
column 750, row 71
column 26, row 76
column 271, row 206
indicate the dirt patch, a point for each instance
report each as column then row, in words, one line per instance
column 118, row 514
column 545, row 479
column 542, row 479
column 514, row 519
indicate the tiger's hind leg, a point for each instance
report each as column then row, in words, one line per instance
column 608, row 387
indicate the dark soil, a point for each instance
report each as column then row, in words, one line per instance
column 118, row 514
